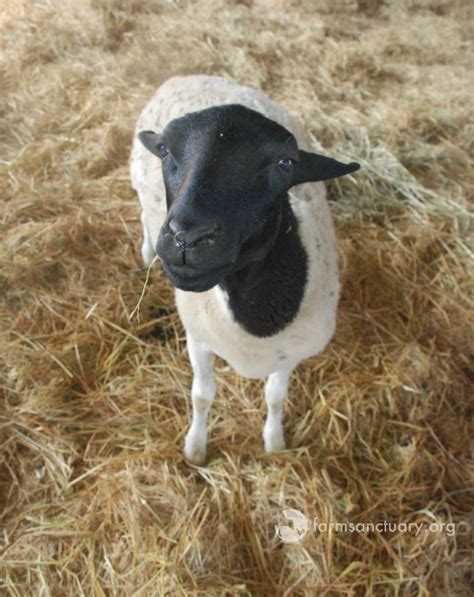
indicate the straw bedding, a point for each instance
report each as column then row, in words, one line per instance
column 95, row 497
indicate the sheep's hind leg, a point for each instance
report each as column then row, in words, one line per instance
column 203, row 394
column 276, row 390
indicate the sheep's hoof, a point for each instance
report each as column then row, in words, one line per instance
column 274, row 441
column 194, row 452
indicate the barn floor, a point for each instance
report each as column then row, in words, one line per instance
column 95, row 497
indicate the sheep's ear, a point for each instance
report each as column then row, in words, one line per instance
column 150, row 140
column 312, row 167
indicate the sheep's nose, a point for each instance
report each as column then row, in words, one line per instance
column 190, row 234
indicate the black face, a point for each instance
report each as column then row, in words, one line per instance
column 226, row 170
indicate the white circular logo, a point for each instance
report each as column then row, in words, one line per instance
column 295, row 533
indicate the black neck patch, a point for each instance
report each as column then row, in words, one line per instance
column 265, row 296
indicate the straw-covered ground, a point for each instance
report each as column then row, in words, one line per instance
column 95, row 496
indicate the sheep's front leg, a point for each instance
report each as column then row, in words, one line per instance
column 203, row 393
column 276, row 390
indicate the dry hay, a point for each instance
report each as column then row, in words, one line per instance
column 95, row 496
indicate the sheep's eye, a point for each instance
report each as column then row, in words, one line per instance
column 286, row 164
column 162, row 150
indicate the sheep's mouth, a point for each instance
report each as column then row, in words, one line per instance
column 194, row 279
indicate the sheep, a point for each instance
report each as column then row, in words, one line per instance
column 253, row 263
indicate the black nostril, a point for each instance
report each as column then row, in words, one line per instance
column 189, row 236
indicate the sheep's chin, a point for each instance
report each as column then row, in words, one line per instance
column 192, row 280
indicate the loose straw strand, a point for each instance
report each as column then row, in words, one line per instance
column 137, row 307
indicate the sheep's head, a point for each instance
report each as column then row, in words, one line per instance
column 226, row 170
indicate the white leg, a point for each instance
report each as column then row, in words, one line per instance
column 148, row 251
column 276, row 390
column 203, row 393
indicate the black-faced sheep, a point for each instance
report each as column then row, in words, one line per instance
column 231, row 205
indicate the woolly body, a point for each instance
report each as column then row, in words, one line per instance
column 207, row 316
